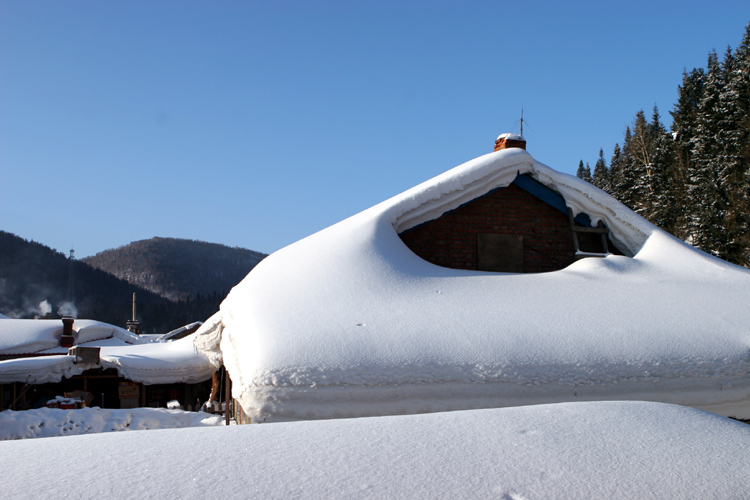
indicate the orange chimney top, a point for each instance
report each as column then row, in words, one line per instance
column 506, row 141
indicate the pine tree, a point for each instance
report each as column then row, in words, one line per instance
column 739, row 82
column 684, row 129
column 584, row 172
column 730, row 161
column 664, row 185
column 641, row 173
column 601, row 173
column 636, row 159
column 628, row 193
column 616, row 176
column 684, row 115
column 706, row 190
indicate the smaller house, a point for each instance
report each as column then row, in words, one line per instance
column 41, row 359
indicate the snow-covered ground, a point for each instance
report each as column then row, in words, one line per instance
column 603, row 450
column 51, row 422
column 350, row 322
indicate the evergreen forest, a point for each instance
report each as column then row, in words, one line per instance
column 693, row 180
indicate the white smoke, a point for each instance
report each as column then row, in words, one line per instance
column 67, row 309
column 45, row 308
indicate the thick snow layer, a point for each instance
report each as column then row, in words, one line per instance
column 350, row 322
column 160, row 363
column 22, row 336
column 40, row 370
column 134, row 357
column 51, row 422
column 612, row 450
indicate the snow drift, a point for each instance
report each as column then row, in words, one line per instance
column 612, row 450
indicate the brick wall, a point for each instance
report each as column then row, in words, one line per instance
column 451, row 239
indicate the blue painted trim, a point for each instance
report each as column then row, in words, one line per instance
column 551, row 198
column 539, row 190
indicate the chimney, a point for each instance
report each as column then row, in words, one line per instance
column 67, row 339
column 506, row 141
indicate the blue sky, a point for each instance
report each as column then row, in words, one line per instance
column 255, row 124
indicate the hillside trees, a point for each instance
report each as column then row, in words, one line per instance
column 695, row 181
column 32, row 274
column 178, row 269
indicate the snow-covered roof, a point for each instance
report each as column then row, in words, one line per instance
column 19, row 336
column 511, row 137
column 604, row 450
column 350, row 322
column 135, row 357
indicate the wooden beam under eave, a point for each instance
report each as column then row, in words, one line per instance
column 227, row 398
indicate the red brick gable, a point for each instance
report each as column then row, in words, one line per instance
column 451, row 240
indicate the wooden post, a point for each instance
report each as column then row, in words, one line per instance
column 143, row 396
column 214, row 395
column 227, row 398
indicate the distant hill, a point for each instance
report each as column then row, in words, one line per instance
column 178, row 269
column 34, row 282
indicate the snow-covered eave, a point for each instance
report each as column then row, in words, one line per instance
column 174, row 362
column 160, row 363
column 41, row 369
column 475, row 178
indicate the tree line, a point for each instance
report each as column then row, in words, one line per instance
column 693, row 180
